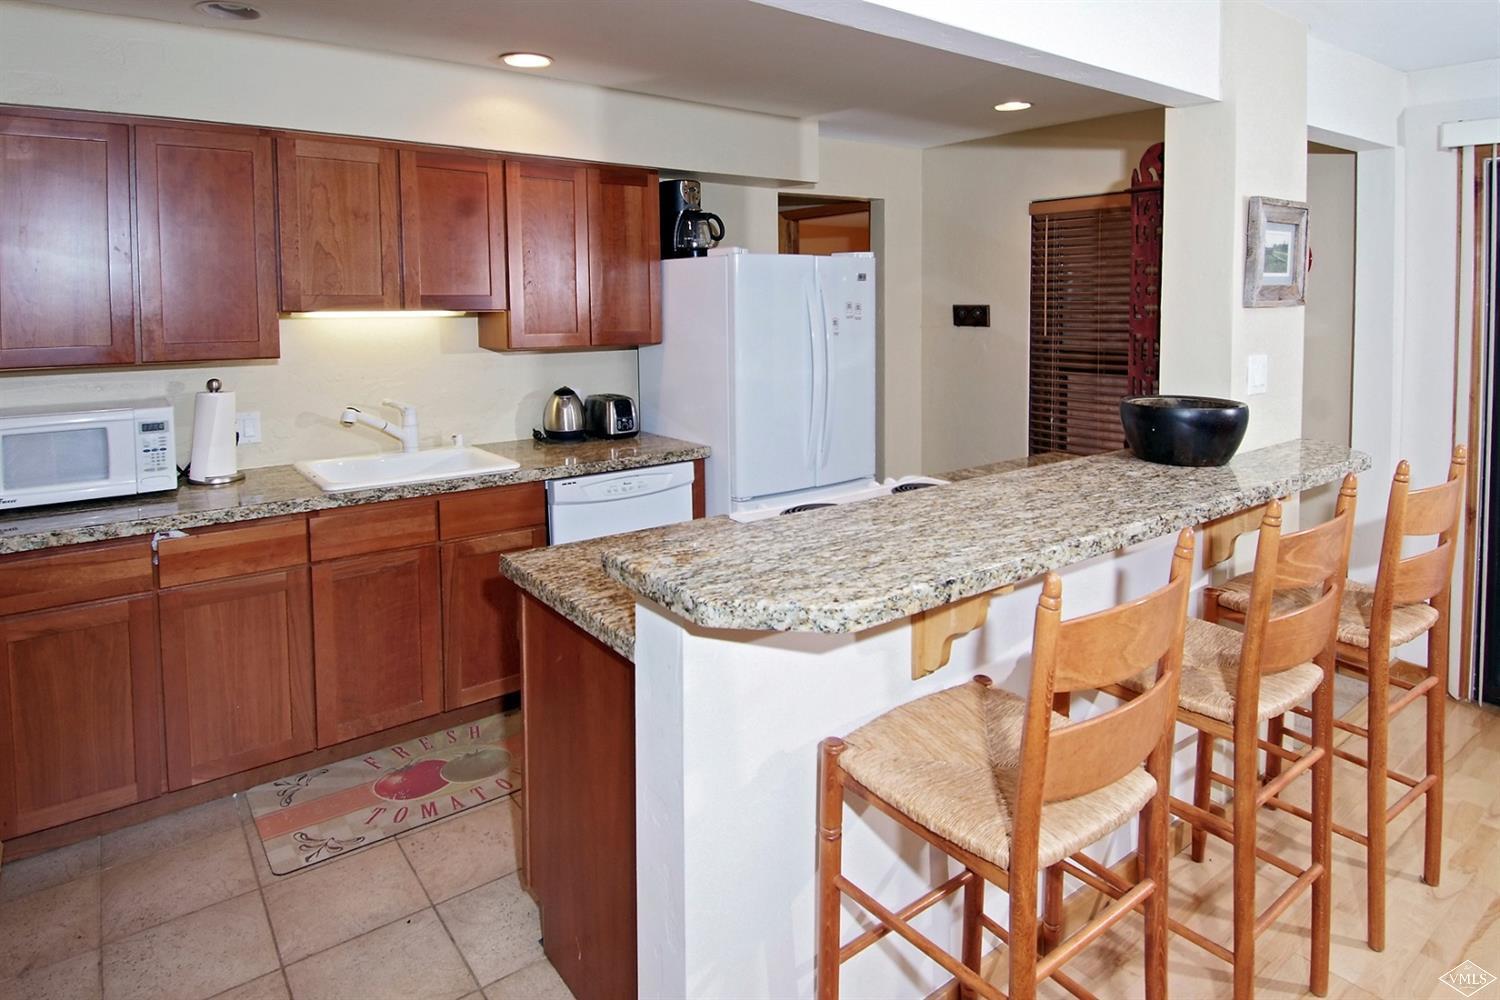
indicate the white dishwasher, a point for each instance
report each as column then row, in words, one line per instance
column 611, row 503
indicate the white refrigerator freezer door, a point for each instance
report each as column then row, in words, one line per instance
column 777, row 359
column 847, row 420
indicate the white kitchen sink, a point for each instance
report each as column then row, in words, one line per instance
column 362, row 472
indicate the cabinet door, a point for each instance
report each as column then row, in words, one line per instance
column 452, row 231
column 547, row 232
column 80, row 713
column 236, row 660
column 65, row 280
column 376, row 641
column 481, row 617
column 207, row 220
column 624, row 256
column 337, row 202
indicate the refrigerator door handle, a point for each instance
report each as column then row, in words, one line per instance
column 824, row 438
column 808, row 451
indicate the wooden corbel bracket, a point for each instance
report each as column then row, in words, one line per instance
column 1219, row 536
column 933, row 631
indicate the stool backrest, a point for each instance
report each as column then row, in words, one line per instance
column 1315, row 558
column 1093, row 652
column 1436, row 510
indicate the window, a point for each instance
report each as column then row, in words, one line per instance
column 1080, row 323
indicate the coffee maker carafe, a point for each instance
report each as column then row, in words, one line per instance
column 687, row 230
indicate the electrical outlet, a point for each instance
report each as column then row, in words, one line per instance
column 247, row 425
column 1257, row 374
column 971, row 315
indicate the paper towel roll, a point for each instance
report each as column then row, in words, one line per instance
column 213, row 460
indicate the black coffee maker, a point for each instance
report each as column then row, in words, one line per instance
column 687, row 230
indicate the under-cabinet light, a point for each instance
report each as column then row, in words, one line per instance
column 376, row 314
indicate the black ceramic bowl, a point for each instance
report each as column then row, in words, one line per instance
column 1184, row 430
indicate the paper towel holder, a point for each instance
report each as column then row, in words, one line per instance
column 214, row 386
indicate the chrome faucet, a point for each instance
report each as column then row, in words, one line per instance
column 406, row 433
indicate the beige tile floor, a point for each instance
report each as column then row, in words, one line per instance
column 184, row 908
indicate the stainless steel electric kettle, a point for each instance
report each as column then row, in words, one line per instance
column 562, row 417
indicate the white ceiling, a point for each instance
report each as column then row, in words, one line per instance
column 732, row 53
column 1404, row 34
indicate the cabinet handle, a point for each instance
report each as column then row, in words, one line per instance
column 156, row 541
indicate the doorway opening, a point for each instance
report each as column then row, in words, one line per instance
column 820, row 225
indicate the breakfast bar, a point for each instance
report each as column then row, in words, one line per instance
column 749, row 643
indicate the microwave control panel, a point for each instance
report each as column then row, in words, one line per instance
column 155, row 459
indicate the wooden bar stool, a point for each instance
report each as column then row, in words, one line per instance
column 1411, row 597
column 1231, row 683
column 1007, row 787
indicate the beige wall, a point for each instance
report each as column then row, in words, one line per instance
column 977, row 241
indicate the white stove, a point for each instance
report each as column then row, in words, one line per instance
column 847, row 493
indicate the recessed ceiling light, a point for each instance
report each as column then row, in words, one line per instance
column 1012, row 105
column 526, row 60
column 227, row 10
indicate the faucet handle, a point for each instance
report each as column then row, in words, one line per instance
column 396, row 404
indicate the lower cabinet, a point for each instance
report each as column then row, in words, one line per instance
column 482, row 617
column 80, row 712
column 237, row 673
column 377, row 642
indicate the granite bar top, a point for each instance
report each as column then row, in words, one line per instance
column 281, row 489
column 1008, row 465
column 853, row 567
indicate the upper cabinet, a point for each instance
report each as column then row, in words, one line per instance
column 585, row 267
column 339, row 219
column 206, row 214
column 624, row 256
column 65, row 262
column 452, row 230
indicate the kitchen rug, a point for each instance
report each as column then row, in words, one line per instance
column 326, row 812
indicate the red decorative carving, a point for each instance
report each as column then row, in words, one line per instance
column 1144, row 363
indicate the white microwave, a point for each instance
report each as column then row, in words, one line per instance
column 60, row 454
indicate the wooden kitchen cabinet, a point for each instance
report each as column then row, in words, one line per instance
column 377, row 642
column 547, row 234
column 452, row 231
column 482, row 617
column 66, row 286
column 624, row 257
column 80, row 712
column 237, row 674
column 206, row 210
column 339, row 224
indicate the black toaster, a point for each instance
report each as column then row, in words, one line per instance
column 610, row 415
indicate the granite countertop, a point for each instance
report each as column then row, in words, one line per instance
column 1008, row 465
column 849, row 568
column 281, row 489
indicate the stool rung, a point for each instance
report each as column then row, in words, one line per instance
column 1116, row 911
column 1214, row 948
column 1285, row 806
column 1405, row 779
column 1288, row 895
column 990, row 924
column 1415, row 691
column 912, row 909
column 1350, row 727
column 925, row 945
column 1222, row 779
column 1306, row 713
column 1299, row 766
column 1352, row 758
column 1062, row 979
column 1416, row 792
column 1100, row 871
column 1224, row 830
column 1282, row 752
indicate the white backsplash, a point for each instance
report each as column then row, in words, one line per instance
column 326, row 364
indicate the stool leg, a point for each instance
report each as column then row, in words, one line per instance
column 1375, row 794
column 1437, row 696
column 1202, row 787
column 1154, row 854
column 1322, row 830
column 1052, row 908
column 1275, row 727
column 1246, row 782
column 973, row 930
column 830, row 851
column 1023, row 931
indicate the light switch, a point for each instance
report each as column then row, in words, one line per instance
column 1257, row 374
column 247, row 424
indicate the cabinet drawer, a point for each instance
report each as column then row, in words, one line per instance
column 218, row 553
column 379, row 527
column 74, row 574
column 484, row 512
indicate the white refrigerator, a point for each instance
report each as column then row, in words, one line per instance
column 769, row 359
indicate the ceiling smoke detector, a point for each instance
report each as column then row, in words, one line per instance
column 227, row 10
column 526, row 60
column 1012, row 105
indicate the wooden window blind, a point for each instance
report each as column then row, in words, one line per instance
column 1080, row 323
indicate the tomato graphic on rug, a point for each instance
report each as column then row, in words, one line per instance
column 476, row 765
column 416, row 780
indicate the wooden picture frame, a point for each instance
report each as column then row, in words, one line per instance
column 1275, row 253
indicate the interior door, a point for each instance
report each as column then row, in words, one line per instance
column 846, row 449
column 776, row 363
